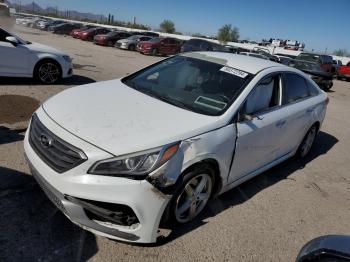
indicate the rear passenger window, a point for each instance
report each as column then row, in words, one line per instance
column 314, row 91
column 294, row 88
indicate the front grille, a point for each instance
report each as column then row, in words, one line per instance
column 118, row 44
column 58, row 154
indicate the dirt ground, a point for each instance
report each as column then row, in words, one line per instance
column 268, row 218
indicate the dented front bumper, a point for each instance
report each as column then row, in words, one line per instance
column 118, row 208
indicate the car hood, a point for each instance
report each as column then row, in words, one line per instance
column 39, row 48
column 121, row 120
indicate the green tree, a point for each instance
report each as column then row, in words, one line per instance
column 167, row 26
column 341, row 52
column 227, row 33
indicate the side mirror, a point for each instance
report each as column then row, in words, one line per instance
column 247, row 117
column 12, row 40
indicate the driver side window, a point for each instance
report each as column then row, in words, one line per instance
column 264, row 96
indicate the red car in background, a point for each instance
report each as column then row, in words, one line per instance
column 89, row 34
column 110, row 38
column 159, row 46
column 344, row 72
column 75, row 32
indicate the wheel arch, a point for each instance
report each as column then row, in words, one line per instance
column 212, row 163
column 47, row 59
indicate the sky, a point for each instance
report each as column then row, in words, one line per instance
column 320, row 24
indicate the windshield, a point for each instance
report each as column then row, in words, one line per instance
column 193, row 84
column 309, row 57
column 303, row 65
column 133, row 37
column 155, row 39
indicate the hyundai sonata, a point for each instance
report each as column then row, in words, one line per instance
column 121, row 157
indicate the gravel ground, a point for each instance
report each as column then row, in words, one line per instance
column 268, row 218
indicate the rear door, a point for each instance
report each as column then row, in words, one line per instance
column 297, row 97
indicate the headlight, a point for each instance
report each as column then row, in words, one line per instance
column 67, row 58
column 138, row 164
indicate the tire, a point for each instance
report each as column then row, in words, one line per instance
column 186, row 203
column 110, row 43
column 154, row 52
column 48, row 72
column 132, row 47
column 309, row 139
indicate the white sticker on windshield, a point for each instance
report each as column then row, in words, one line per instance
column 234, row 71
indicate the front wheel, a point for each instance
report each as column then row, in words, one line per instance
column 307, row 142
column 132, row 47
column 154, row 52
column 191, row 195
column 48, row 72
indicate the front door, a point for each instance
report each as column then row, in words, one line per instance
column 261, row 129
column 13, row 59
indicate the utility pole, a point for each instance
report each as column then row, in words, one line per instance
column 134, row 20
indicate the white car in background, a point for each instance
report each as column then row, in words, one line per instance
column 20, row 58
column 122, row 157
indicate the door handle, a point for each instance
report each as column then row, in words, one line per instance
column 280, row 123
column 310, row 110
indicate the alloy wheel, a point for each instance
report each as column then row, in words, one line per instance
column 309, row 140
column 49, row 73
column 193, row 198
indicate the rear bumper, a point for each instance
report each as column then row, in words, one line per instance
column 66, row 190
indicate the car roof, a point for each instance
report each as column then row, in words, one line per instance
column 248, row 64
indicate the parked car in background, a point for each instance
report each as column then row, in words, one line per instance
column 110, row 38
column 75, row 32
column 325, row 61
column 65, row 29
column 159, row 46
column 336, row 65
column 20, row 58
column 197, row 125
column 344, row 72
column 88, row 35
column 315, row 72
column 131, row 42
column 46, row 25
column 202, row 45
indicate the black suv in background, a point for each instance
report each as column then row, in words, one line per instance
column 202, row 45
column 325, row 61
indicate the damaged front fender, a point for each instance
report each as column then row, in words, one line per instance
column 218, row 145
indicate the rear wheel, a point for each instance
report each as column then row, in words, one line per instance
column 110, row 43
column 307, row 142
column 48, row 72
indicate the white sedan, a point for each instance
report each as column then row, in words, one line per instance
column 122, row 157
column 20, row 58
